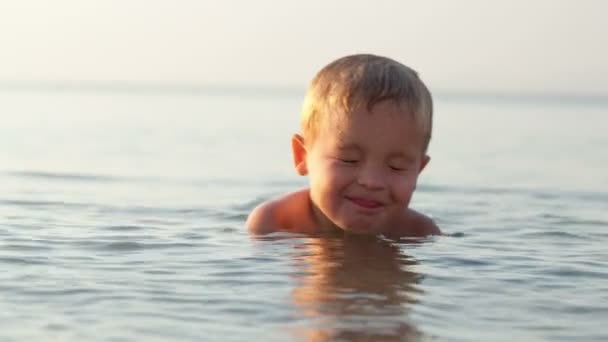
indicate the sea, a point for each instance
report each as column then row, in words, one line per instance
column 123, row 209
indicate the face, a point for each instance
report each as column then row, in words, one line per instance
column 363, row 168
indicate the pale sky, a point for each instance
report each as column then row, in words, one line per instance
column 462, row 45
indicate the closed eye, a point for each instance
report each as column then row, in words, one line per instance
column 400, row 169
column 348, row 161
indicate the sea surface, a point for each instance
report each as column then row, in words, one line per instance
column 122, row 219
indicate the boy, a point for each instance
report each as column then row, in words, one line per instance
column 366, row 125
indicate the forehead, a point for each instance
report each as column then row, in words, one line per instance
column 387, row 125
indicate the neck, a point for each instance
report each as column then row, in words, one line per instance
column 323, row 225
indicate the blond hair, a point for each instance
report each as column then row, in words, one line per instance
column 353, row 81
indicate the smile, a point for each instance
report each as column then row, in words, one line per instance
column 365, row 203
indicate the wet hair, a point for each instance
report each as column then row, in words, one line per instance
column 351, row 82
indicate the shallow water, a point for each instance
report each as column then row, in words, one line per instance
column 122, row 219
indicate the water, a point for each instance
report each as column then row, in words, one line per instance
column 122, row 219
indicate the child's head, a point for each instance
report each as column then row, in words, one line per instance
column 366, row 125
column 364, row 80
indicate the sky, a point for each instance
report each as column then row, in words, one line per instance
column 540, row 46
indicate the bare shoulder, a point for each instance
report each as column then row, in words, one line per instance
column 420, row 224
column 276, row 214
column 263, row 219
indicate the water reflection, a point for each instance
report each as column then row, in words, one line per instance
column 354, row 289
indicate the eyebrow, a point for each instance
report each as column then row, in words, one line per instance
column 354, row 147
column 402, row 155
column 349, row 146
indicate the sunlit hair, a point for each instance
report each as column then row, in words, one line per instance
column 353, row 81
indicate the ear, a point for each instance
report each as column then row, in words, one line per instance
column 299, row 154
column 424, row 162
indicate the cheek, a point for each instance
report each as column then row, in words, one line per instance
column 326, row 182
column 403, row 187
column 336, row 176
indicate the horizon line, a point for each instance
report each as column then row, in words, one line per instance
column 227, row 89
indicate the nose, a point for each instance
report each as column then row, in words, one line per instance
column 370, row 178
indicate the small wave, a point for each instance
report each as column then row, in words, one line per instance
column 544, row 194
column 456, row 235
column 59, row 291
column 110, row 209
column 576, row 272
column 31, row 203
column 27, row 247
column 139, row 210
column 23, row 261
column 232, row 216
column 126, row 228
column 126, row 246
column 65, row 176
column 56, row 327
column 193, row 236
column 553, row 234
column 77, row 177
column 90, row 178
column 567, row 220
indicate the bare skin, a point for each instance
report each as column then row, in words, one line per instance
column 295, row 213
column 363, row 171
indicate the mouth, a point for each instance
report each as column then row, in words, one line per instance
column 365, row 203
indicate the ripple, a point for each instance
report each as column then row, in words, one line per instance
column 27, row 248
column 532, row 193
column 63, row 176
column 126, row 228
column 103, row 298
column 577, row 272
column 193, row 236
column 568, row 220
column 230, row 230
column 37, row 204
column 58, row 292
column 57, row 327
column 24, row 260
column 554, row 234
column 136, row 246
